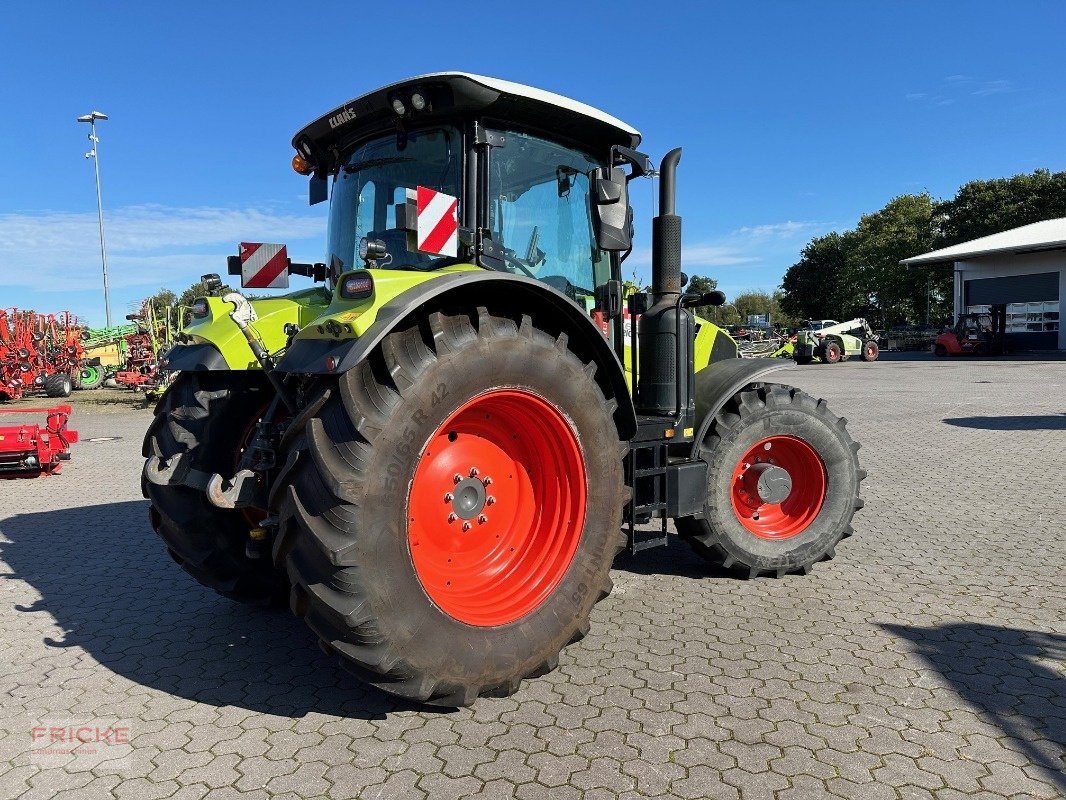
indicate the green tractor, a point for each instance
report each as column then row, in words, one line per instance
column 437, row 453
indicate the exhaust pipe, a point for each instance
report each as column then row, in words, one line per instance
column 666, row 231
column 666, row 377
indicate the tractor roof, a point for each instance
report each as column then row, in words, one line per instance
column 452, row 95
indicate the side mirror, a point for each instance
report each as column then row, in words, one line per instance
column 612, row 218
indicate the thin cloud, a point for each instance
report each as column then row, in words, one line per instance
column 958, row 87
column 147, row 245
column 993, row 87
column 747, row 246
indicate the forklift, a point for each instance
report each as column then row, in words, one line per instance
column 977, row 334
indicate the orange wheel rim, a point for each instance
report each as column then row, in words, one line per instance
column 778, row 487
column 496, row 507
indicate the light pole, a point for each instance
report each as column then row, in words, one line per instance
column 91, row 118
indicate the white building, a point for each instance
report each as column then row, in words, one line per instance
column 1025, row 268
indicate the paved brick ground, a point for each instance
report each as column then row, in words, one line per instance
column 927, row 659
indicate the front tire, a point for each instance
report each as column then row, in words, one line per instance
column 399, row 560
column 832, row 354
column 768, row 431
column 208, row 418
column 870, row 350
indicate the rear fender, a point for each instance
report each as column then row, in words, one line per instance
column 719, row 381
column 195, row 358
column 552, row 310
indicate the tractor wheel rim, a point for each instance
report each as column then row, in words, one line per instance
column 870, row 350
column 497, row 507
column 806, row 491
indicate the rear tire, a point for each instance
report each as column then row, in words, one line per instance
column 870, row 350
column 207, row 415
column 58, row 384
column 813, row 446
column 832, row 353
column 407, row 599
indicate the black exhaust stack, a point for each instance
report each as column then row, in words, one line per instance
column 666, row 232
column 666, row 377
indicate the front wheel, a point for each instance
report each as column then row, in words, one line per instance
column 782, row 483
column 454, row 508
column 832, row 353
column 870, row 351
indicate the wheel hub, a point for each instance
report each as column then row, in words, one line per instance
column 468, row 498
column 767, row 482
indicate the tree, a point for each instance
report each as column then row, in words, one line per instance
column 981, row 208
column 817, row 286
column 892, row 292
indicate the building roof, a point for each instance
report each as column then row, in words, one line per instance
column 1047, row 235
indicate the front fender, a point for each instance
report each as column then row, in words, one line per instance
column 719, row 381
column 472, row 289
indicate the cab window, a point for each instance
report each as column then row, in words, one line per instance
column 539, row 213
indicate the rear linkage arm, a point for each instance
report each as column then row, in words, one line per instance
column 247, row 487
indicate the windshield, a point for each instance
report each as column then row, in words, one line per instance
column 374, row 179
column 539, row 213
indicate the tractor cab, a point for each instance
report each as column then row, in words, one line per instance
column 450, row 169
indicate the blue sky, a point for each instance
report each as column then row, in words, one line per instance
column 796, row 118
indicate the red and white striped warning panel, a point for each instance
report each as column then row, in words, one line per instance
column 437, row 229
column 264, row 266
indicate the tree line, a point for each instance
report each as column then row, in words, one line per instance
column 857, row 272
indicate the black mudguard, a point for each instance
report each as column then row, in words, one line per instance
column 473, row 289
column 720, row 380
column 195, row 358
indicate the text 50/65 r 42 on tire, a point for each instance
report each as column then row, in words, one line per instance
column 782, row 483
column 455, row 507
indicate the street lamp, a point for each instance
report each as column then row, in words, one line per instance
column 91, row 118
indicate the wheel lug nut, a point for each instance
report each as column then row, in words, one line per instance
column 487, row 481
column 482, row 519
column 452, row 517
column 473, row 472
column 448, row 497
column 456, row 478
column 466, row 526
column 490, row 500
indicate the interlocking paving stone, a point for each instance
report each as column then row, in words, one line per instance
column 928, row 659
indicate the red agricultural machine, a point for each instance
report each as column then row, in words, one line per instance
column 28, row 450
column 39, row 352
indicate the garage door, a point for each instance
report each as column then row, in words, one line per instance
column 1032, row 307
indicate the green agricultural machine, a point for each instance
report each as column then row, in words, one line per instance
column 831, row 342
column 437, row 452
